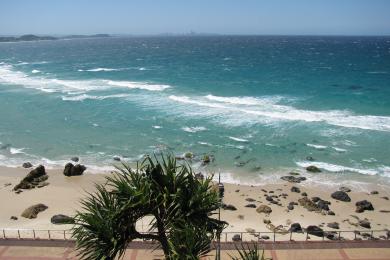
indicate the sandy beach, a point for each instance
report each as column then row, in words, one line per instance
column 63, row 194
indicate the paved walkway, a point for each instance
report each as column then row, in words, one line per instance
column 51, row 250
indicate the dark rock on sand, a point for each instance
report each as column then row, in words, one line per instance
column 312, row 168
column 331, row 213
column 236, row 238
column 250, row 205
column 33, row 211
column 32, row 179
column 27, row 165
column 264, row 209
column 295, row 189
column 250, row 199
column 228, row 207
column 61, row 219
column 116, row 158
column 374, row 192
column 385, row 198
column 365, row 223
column 75, row 159
column 363, row 205
column 304, row 194
column 265, row 237
column 341, row 195
column 308, row 204
column 293, row 179
column 14, row 218
column 290, row 206
column 322, row 204
column 269, row 198
column 74, row 170
column 334, row 225
column 315, row 231
column 296, row 227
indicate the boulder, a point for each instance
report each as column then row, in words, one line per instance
column 228, row 207
column 61, row 219
column 116, row 158
column 265, row 237
column 365, row 223
column 294, row 173
column 290, row 206
column 333, row 225
column 296, row 227
column 74, row 170
column 304, row 194
column 236, row 238
column 75, row 159
column 250, row 199
column 250, row 205
column 315, row 231
column 188, row 155
column 206, row 159
column 14, row 218
column 27, row 165
column 374, row 192
column 331, row 213
column 322, row 204
column 295, row 189
column 33, row 211
column 363, row 205
column 341, row 195
column 264, row 209
column 293, row 179
column 312, row 168
column 32, row 179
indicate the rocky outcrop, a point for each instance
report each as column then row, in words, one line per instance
column 293, row 179
column 364, row 223
column 312, row 168
column 33, row 211
column 315, row 231
column 333, row 225
column 296, row 227
column 33, row 179
column 315, row 204
column 341, row 195
column 264, row 209
column 74, row 170
column 363, row 205
column 229, row 207
column 61, row 219
column 27, row 165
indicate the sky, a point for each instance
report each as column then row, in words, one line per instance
column 140, row 17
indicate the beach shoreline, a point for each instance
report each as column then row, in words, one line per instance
column 63, row 195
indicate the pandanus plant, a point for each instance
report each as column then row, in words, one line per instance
column 181, row 207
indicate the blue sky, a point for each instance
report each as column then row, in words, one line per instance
column 346, row 17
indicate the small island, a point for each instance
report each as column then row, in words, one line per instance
column 32, row 37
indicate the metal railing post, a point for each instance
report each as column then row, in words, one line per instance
column 372, row 234
column 274, row 236
column 18, row 234
column 307, row 235
column 290, row 235
column 4, row 234
column 64, row 235
column 226, row 237
column 339, row 235
column 355, row 235
column 34, row 233
column 48, row 232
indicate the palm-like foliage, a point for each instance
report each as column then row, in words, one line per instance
column 181, row 206
column 250, row 253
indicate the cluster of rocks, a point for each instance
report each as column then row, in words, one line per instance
column 293, row 179
column 35, row 178
column 316, row 204
column 74, row 170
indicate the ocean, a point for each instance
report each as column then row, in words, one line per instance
column 260, row 105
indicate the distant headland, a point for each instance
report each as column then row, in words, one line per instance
column 32, row 37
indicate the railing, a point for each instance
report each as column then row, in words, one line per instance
column 276, row 236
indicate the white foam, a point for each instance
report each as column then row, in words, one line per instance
column 157, row 127
column 194, row 129
column 86, row 96
column 100, row 69
column 337, row 168
column 137, row 85
column 238, row 139
column 13, row 150
column 51, row 85
column 317, row 146
column 205, row 143
column 244, row 110
column 35, row 71
column 341, row 150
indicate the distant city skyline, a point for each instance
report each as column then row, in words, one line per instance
column 277, row 17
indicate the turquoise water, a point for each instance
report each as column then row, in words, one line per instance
column 259, row 104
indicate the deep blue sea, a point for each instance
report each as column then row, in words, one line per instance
column 260, row 104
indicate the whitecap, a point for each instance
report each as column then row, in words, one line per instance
column 341, row 150
column 13, row 150
column 86, row 96
column 238, row 139
column 317, row 146
column 35, row 71
column 194, row 129
column 205, row 143
column 337, row 168
column 137, row 85
column 157, row 127
column 100, row 69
